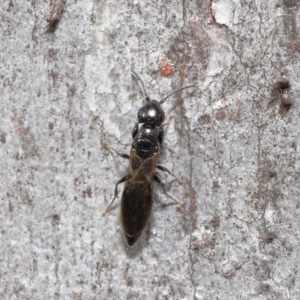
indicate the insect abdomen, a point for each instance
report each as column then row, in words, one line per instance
column 136, row 207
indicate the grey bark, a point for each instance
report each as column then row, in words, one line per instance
column 66, row 88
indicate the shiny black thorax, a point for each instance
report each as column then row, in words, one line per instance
column 148, row 133
column 146, row 141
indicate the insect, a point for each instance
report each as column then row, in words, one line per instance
column 137, row 198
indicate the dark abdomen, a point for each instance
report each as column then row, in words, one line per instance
column 136, row 207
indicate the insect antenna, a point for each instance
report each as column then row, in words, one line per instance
column 143, row 86
column 185, row 87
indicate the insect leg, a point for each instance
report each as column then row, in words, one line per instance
column 123, row 179
column 124, row 155
column 109, row 148
column 164, row 169
column 158, row 180
column 160, row 136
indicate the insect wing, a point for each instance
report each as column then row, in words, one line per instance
column 137, row 198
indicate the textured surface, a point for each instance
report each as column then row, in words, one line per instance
column 233, row 142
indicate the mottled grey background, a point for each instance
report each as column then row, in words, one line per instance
column 67, row 88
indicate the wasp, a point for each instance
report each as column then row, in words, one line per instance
column 137, row 198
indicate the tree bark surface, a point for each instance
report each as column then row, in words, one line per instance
column 67, row 90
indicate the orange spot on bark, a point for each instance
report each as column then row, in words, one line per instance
column 166, row 68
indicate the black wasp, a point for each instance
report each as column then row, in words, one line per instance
column 137, row 198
